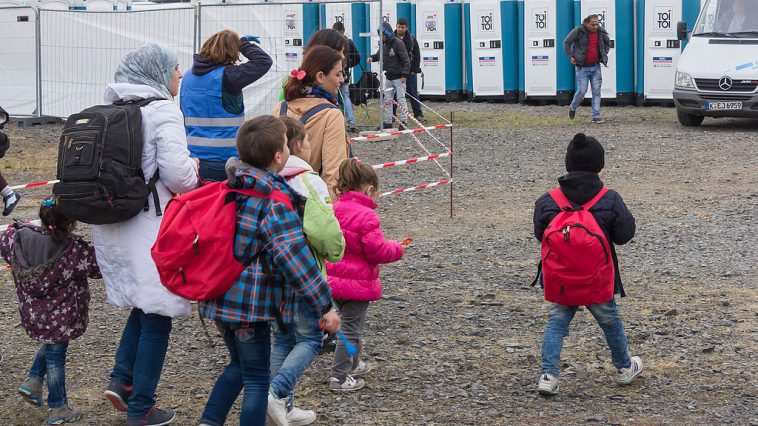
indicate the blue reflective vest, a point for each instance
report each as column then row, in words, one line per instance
column 211, row 130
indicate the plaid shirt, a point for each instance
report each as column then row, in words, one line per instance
column 269, row 237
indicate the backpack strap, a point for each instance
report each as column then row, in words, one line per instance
column 564, row 204
column 588, row 205
column 283, row 109
column 289, row 178
column 154, row 190
column 315, row 110
column 274, row 195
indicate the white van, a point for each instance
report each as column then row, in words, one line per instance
column 717, row 75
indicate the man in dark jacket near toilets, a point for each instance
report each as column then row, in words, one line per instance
column 587, row 46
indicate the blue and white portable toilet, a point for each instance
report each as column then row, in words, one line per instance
column 354, row 16
column 492, row 50
column 389, row 15
column 658, row 49
column 439, row 25
column 617, row 17
column 547, row 73
column 298, row 22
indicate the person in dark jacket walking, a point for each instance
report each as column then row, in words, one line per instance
column 397, row 69
column 587, row 46
column 585, row 158
column 414, row 52
column 211, row 98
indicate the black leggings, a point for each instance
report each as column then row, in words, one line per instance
column 3, row 183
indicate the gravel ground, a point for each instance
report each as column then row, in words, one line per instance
column 456, row 338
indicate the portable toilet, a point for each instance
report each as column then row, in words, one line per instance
column 492, row 50
column 658, row 49
column 388, row 14
column 617, row 17
column 354, row 16
column 439, row 25
column 547, row 73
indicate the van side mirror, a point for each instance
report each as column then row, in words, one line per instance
column 681, row 30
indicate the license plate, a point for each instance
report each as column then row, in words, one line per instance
column 723, row 106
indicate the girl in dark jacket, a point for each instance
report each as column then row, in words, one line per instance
column 50, row 267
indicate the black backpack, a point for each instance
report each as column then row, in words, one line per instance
column 367, row 88
column 100, row 165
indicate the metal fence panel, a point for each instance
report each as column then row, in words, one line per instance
column 80, row 50
column 18, row 60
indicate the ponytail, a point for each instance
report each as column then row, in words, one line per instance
column 54, row 220
column 354, row 176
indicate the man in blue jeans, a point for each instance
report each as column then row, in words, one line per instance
column 585, row 158
column 587, row 46
column 352, row 58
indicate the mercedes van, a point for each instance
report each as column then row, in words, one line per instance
column 717, row 74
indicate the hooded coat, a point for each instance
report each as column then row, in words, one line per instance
column 123, row 249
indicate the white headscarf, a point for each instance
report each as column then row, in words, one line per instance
column 151, row 65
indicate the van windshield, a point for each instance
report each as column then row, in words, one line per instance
column 728, row 18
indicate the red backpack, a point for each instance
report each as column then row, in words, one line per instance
column 577, row 266
column 194, row 251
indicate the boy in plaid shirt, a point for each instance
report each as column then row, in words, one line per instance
column 270, row 240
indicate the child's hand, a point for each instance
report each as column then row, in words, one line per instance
column 406, row 243
column 331, row 322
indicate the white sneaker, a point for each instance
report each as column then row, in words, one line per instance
column 349, row 384
column 300, row 417
column 548, row 384
column 627, row 375
column 277, row 411
column 362, row 368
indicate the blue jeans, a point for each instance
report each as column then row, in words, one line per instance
column 249, row 351
column 394, row 89
column 347, row 103
column 294, row 350
column 559, row 317
column 50, row 361
column 139, row 358
column 594, row 77
column 212, row 170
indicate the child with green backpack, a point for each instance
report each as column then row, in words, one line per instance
column 296, row 347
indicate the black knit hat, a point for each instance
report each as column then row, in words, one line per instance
column 585, row 154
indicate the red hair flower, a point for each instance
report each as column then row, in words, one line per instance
column 299, row 75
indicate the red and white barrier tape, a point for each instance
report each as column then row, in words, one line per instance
column 400, row 132
column 416, row 188
column 30, row 185
column 411, row 160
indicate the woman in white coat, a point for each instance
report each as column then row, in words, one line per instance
column 123, row 249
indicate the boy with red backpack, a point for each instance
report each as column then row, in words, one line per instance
column 269, row 240
column 578, row 225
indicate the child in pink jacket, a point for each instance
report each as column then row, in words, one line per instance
column 355, row 280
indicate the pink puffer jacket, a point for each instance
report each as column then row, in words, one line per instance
column 356, row 277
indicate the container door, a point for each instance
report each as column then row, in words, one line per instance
column 388, row 15
column 662, row 49
column 293, row 35
column 430, row 29
column 540, row 71
column 606, row 13
column 486, row 48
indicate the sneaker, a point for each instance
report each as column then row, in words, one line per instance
column 352, row 128
column 10, row 202
column 276, row 414
column 31, row 390
column 386, row 126
column 598, row 120
column 625, row 376
column 154, row 417
column 572, row 113
column 300, row 417
column 421, row 119
column 548, row 384
column 61, row 415
column 346, row 384
column 118, row 394
column 361, row 369
column 403, row 125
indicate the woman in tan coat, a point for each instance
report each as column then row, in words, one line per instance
column 310, row 95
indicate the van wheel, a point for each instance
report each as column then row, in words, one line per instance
column 689, row 120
